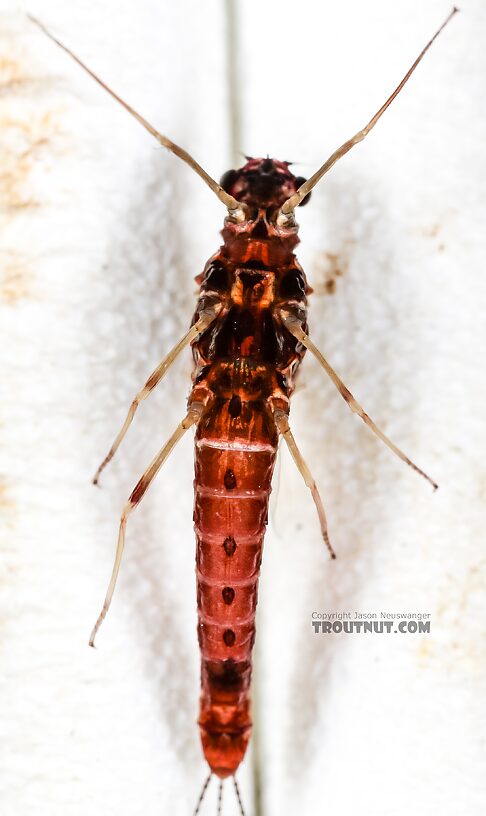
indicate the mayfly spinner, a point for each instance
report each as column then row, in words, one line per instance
column 248, row 336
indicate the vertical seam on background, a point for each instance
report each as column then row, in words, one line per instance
column 232, row 32
column 233, row 90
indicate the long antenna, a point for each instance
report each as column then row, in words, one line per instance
column 201, row 795
column 234, row 208
column 304, row 190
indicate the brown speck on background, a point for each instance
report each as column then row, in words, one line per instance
column 432, row 230
column 436, row 229
column 27, row 127
column 15, row 277
column 23, row 136
column 328, row 268
column 12, row 76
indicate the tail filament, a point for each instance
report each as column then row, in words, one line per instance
column 202, row 794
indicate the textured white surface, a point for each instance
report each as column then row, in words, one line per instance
column 102, row 234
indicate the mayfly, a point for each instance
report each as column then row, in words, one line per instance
column 248, row 336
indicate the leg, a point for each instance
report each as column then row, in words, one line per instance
column 202, row 324
column 283, row 428
column 136, row 496
column 294, row 327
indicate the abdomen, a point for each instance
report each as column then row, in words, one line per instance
column 234, row 461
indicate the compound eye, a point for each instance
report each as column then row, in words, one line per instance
column 228, row 179
column 299, row 181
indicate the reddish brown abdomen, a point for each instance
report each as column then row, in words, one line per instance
column 234, row 463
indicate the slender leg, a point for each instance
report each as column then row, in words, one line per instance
column 294, row 327
column 284, row 429
column 202, row 324
column 136, row 496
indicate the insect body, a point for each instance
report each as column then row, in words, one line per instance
column 248, row 336
column 245, row 365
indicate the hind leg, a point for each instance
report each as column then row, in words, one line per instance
column 282, row 422
column 134, row 500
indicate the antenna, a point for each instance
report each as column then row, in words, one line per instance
column 286, row 211
column 235, row 210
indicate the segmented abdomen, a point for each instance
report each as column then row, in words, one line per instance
column 234, row 462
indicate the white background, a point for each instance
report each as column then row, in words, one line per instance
column 102, row 235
